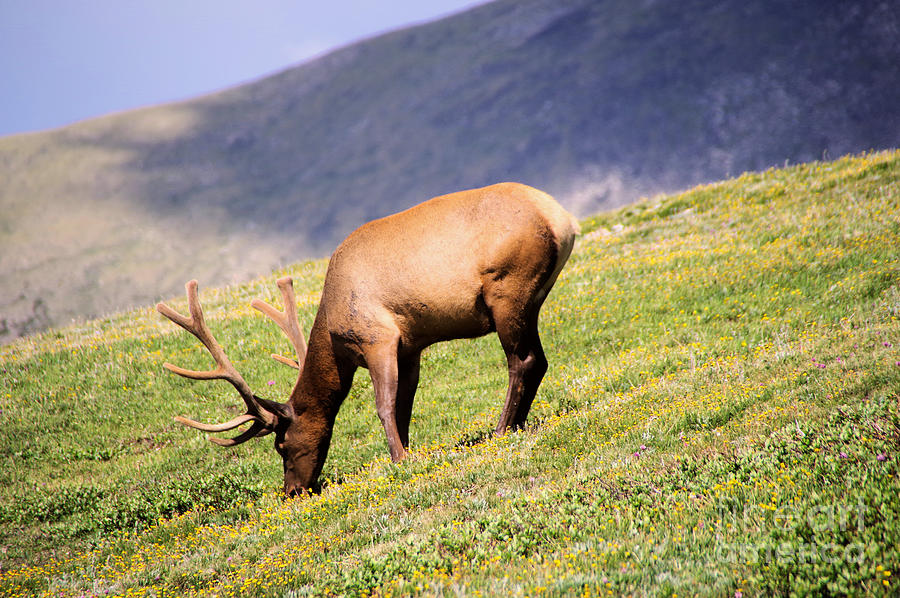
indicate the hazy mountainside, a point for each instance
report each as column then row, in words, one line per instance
column 596, row 102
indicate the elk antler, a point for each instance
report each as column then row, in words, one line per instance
column 286, row 320
column 263, row 419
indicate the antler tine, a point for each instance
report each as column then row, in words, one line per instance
column 286, row 320
column 196, row 325
column 229, row 425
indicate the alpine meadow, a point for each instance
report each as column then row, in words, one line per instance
column 720, row 417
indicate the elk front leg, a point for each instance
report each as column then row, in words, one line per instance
column 382, row 362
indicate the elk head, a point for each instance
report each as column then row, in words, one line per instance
column 266, row 417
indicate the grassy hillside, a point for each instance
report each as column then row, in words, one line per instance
column 721, row 417
column 596, row 102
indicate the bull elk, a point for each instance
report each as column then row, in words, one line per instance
column 457, row 266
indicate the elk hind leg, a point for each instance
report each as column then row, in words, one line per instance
column 527, row 365
column 408, row 381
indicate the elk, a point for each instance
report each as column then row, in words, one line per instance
column 456, row 266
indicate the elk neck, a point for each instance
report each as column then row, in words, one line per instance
column 325, row 379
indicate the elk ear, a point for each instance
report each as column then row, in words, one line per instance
column 280, row 415
column 283, row 412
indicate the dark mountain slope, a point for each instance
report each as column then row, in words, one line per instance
column 596, row 101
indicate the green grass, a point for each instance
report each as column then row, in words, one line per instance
column 721, row 417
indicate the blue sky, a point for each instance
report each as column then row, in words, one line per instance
column 66, row 60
